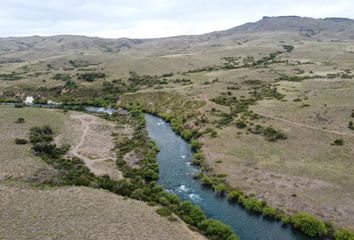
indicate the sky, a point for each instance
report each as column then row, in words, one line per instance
column 151, row 18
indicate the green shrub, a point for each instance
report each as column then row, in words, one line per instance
column 285, row 220
column 216, row 230
column 220, row 189
column 195, row 145
column 344, row 234
column 91, row 76
column 252, row 204
column 206, row 181
column 164, row 211
column 272, row 134
column 150, row 175
column 20, row 120
column 308, row 224
column 269, row 212
column 20, row 141
column 197, row 159
column 338, row 142
column 186, row 135
column 233, row 196
column 351, row 125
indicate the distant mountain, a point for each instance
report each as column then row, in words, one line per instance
column 341, row 28
column 286, row 28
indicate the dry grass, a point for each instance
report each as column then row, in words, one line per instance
column 81, row 213
column 17, row 161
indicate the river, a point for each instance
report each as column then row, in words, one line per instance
column 176, row 176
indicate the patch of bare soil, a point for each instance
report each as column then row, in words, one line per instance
column 81, row 213
column 92, row 142
column 132, row 159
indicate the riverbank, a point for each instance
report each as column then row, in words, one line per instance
column 217, row 183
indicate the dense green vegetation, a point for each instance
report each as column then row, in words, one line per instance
column 310, row 225
column 343, row 235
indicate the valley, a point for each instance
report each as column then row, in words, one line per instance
column 268, row 108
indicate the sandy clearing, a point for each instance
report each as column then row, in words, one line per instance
column 94, row 143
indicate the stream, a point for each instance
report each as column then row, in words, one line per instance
column 176, row 176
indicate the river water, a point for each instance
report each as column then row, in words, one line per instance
column 176, row 176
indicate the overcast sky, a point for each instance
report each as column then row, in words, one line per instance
column 151, row 18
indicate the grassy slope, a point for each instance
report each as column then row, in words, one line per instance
column 65, row 212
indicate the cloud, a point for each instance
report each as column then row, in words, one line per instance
column 150, row 18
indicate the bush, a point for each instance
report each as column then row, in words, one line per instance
column 206, row 181
column 91, row 76
column 216, row 230
column 285, row 220
column 20, row 120
column 164, row 211
column 240, row 124
column 344, row 235
column 308, row 224
column 186, row 135
column 338, row 142
column 195, row 145
column 233, row 196
column 252, row 204
column 272, row 134
column 20, row 141
column 269, row 212
column 220, row 189
column 197, row 159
